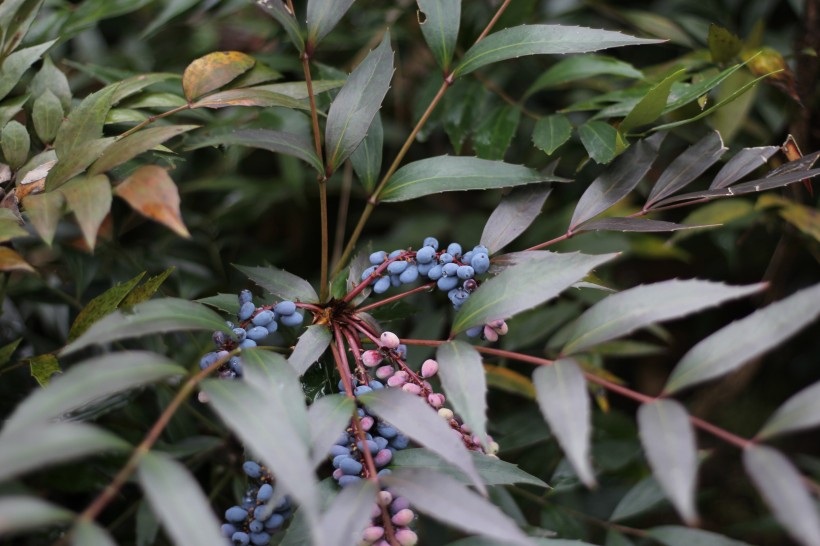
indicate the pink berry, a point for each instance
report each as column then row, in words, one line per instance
column 412, row 388
column 338, row 473
column 367, row 422
column 384, row 372
column 403, row 517
column 395, row 381
column 375, row 511
column 436, row 400
column 429, row 368
column 371, row 358
column 385, row 498
column 490, row 334
column 389, row 340
column 383, row 458
column 406, row 537
column 372, row 534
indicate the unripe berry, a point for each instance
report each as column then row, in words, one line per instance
column 490, row 334
column 436, row 400
column 389, row 340
column 412, row 388
column 383, row 458
column 403, row 517
column 396, row 381
column 367, row 423
column 406, row 537
column 372, row 534
column 429, row 368
column 446, row 413
column 385, row 498
column 384, row 372
column 371, row 358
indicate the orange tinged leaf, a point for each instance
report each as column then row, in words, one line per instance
column 152, row 193
column 793, row 153
column 12, row 261
column 508, row 380
column 213, row 71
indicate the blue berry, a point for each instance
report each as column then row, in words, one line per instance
column 445, row 258
column 361, row 389
column 425, row 255
column 381, row 285
column 367, row 272
column 240, row 538
column 409, row 275
column 378, row 257
column 240, row 334
column 395, row 280
column 396, row 268
column 474, row 331
column 424, row 269
column 435, row 273
column 274, row 522
column 431, row 242
column 445, row 284
column 381, row 442
column 337, row 460
column 219, row 338
column 235, row 514
column 265, row 493
column 246, row 310
column 258, row 332
column 245, row 296
column 208, row 360
column 449, row 270
column 395, row 254
column 480, row 262
column 262, row 512
column 481, row 248
column 235, row 364
column 384, row 472
column 454, row 249
column 260, row 539
column 350, row 467
column 400, row 441
column 467, row 258
column 271, row 327
column 347, row 480
column 285, row 308
column 256, row 526
column 465, row 272
column 375, row 385
column 386, row 431
column 292, row 320
column 372, row 446
column 247, row 344
column 263, row 318
column 337, row 450
column 252, row 469
column 228, row 530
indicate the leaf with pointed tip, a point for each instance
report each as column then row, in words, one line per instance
column 178, row 501
column 150, row 317
column 516, row 211
column 744, row 162
column 47, row 115
column 11, row 108
column 622, row 313
column 280, row 283
column 634, row 225
column 87, row 533
column 248, row 97
column 356, row 104
column 133, row 145
column 135, row 84
column 669, row 443
column 734, row 345
column 16, row 64
column 90, row 200
column 328, row 417
column 19, row 513
column 102, row 305
column 799, row 412
column 579, row 67
column 367, row 158
column 644, row 496
column 16, row 17
column 151, row 192
column 75, row 161
column 43, row 368
column 322, row 16
column 686, row 167
column 651, row 106
column 493, row 134
column 448, row 173
column 311, row 345
column 32, row 448
column 561, row 391
column 212, row 71
column 12, row 261
column 6, row 351
column 723, row 45
column 88, row 382
column 439, row 21
column 10, row 226
column 525, row 285
column 445, row 499
column 550, row 132
column 279, row 11
column 600, row 141
column 414, row 417
column 85, row 122
column 616, row 182
column 147, row 289
column 523, row 40
column 223, row 302
column 672, row 535
column 348, row 514
column 282, row 142
column 781, row 486
column 462, row 376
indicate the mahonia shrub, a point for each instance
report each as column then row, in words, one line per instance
column 381, row 310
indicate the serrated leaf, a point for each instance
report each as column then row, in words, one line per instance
column 672, row 535
column 581, row 67
column 461, row 372
column 88, row 382
column 493, row 471
column 723, row 45
column 450, row 502
column 280, row 283
column 43, row 368
column 525, row 285
column 102, row 305
column 214, row 70
column 633, row 224
column 147, row 289
column 622, row 313
column 781, row 486
column 47, row 115
column 600, row 140
column 133, row 145
column 16, row 64
column 6, row 351
column 32, row 448
column 279, row 11
column 523, row 40
column 616, row 182
column 799, row 412
column 492, row 136
column 322, row 16
column 282, row 142
column 90, row 200
column 644, row 495
column 734, row 345
column 458, row 110
column 75, row 161
column 561, row 392
column 686, row 167
column 414, row 417
column 44, row 211
column 744, row 162
column 328, row 417
column 87, row 533
column 668, row 440
column 514, row 214
column 150, row 317
column 19, row 513
column 356, row 104
column 311, row 345
column 550, row 132
column 367, row 158
column 178, row 501
column 447, row 173
column 439, row 21
column 248, row 97
column 151, row 192
column 224, row 302
column 651, row 106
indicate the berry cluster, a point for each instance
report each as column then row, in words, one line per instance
column 260, row 514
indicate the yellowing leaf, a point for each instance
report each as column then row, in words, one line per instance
column 11, row 261
column 43, row 367
column 213, row 71
column 152, row 193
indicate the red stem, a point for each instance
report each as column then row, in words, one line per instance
column 373, row 276
column 423, row 288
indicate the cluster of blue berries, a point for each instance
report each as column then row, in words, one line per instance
column 254, row 324
column 452, row 270
column 260, row 514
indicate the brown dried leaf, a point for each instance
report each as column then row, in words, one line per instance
column 152, row 193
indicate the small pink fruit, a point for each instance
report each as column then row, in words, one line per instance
column 372, row 534
column 385, row 498
column 490, row 334
column 403, row 517
column 412, row 388
column 367, row 422
column 436, row 400
column 384, row 372
column 406, row 537
column 429, row 368
column 371, row 358
column 389, row 340
column 395, row 381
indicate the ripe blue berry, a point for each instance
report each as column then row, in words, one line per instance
column 378, row 257
column 265, row 493
column 467, row 257
column 367, row 272
column 395, row 268
column 465, row 272
column 446, row 284
column 258, row 332
column 480, row 262
column 454, row 249
column 347, row 480
column 381, row 285
column 260, row 539
column 252, row 469
column 263, row 318
column 431, row 242
column 285, row 308
column 435, row 273
column 425, row 255
column 240, row 538
column 409, row 275
column 235, row 514
column 449, row 270
column 247, row 344
column 228, row 530
column 246, row 310
column 350, row 467
column 292, row 320
column 240, row 334
column 208, row 360
column 395, row 254
column 245, row 296
column 445, row 258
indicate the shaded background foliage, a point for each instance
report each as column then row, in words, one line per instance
column 251, row 207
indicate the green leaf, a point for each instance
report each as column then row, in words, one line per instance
column 672, row 535
column 16, row 64
column 135, row 84
column 458, row 111
column 367, row 158
column 133, row 145
column 75, row 161
column 19, row 513
column 621, row 314
column 298, row 90
column 600, row 140
column 10, row 226
column 279, row 11
column 516, row 211
column 15, row 143
column 212, row 71
column 550, row 132
column 89, row 382
column 311, row 345
column 356, row 104
column 439, row 21
column 414, row 417
column 581, row 67
column 47, row 115
column 799, row 412
column 651, row 106
column 494, row 133
column 328, row 416
column 43, row 367
column 540, row 40
column 147, row 289
column 87, row 533
column 33, row 448
column 524, row 286
column 461, row 372
column 348, row 514
column 224, row 302
column 723, row 45
column 734, row 345
column 15, row 19
column 44, row 211
column 445, row 499
column 282, row 142
column 50, row 78
column 781, row 486
column 744, row 162
column 178, row 501
column 90, row 200
column 669, row 443
column 561, row 391
column 447, row 173
column 102, row 305
column 616, row 182
column 685, row 93
column 150, row 317
column 644, row 496
column 85, row 122
column 11, row 108
column 248, row 97
column 147, row 525
column 280, row 283
column 322, row 16
column 7, row 351
column 634, row 224
column 493, row 471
